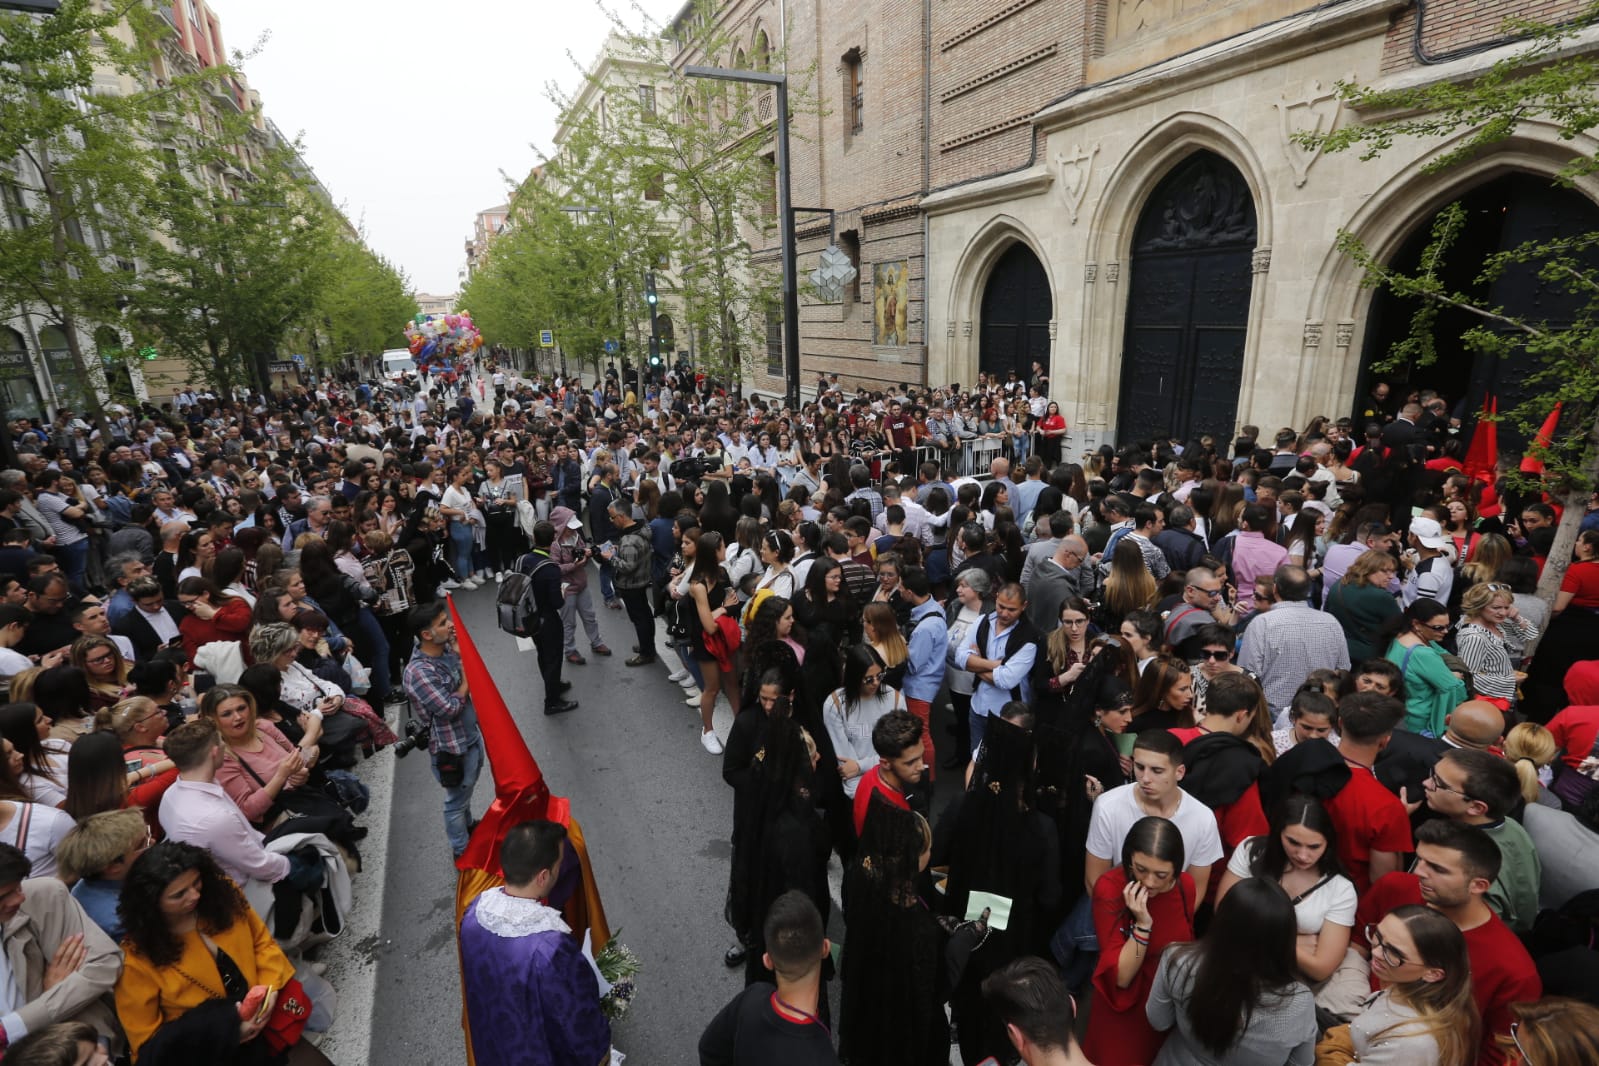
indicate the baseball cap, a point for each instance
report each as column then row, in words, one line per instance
column 1428, row 531
column 574, row 523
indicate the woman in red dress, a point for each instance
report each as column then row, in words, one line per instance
column 1140, row 908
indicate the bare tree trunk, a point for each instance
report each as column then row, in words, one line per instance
column 1570, row 523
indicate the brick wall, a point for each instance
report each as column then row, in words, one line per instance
column 1453, row 25
column 995, row 63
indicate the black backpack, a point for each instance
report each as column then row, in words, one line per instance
column 515, row 607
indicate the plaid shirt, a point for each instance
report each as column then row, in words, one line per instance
column 873, row 498
column 430, row 682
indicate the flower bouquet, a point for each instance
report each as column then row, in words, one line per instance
column 617, row 966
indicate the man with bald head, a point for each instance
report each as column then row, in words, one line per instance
column 1056, row 580
column 1407, row 762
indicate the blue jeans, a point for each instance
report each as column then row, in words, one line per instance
column 1075, row 944
column 74, row 559
column 978, row 722
column 685, row 653
column 461, row 544
column 458, row 800
column 373, row 646
column 607, row 589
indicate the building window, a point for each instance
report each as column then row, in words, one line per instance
column 774, row 338
column 763, row 52
column 854, row 90
column 849, row 242
column 646, row 100
column 769, row 193
column 654, row 186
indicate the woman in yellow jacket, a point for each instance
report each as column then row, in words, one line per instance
column 194, row 949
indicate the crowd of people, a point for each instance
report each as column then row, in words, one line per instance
column 1270, row 754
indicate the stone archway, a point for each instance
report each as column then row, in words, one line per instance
column 969, row 282
column 1188, row 293
column 1340, row 305
column 1129, row 188
column 1013, row 330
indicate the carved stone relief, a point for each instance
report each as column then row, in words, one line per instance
column 1090, row 272
column 1113, row 272
column 1312, row 334
column 1315, row 112
column 1076, row 170
column 1260, row 260
column 1346, row 333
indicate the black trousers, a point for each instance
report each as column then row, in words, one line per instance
column 637, row 602
column 547, row 642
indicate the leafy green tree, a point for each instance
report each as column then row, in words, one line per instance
column 80, row 164
column 366, row 301
column 675, row 180
column 243, row 259
column 1544, row 80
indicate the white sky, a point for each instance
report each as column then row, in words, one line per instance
column 412, row 109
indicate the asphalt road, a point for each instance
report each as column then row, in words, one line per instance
column 656, row 816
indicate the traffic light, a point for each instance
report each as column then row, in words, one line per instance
column 652, row 300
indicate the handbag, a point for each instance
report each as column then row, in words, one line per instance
column 289, row 1015
column 1336, row 1047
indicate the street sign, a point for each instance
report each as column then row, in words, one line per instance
column 300, row 359
column 281, row 366
column 610, row 346
column 546, row 338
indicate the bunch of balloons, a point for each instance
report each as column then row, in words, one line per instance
column 436, row 338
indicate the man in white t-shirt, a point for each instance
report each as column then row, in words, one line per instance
column 1155, row 791
column 13, row 627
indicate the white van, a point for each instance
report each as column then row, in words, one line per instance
column 397, row 362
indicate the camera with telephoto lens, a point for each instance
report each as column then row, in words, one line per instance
column 416, row 736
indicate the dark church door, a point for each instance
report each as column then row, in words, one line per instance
column 1017, row 307
column 1188, row 304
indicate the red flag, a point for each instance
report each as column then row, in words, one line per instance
column 1530, row 463
column 520, row 792
column 1483, row 456
column 520, row 795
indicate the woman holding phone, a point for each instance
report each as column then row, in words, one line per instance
column 1140, row 908
column 194, row 953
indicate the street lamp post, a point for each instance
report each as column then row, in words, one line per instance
column 791, row 355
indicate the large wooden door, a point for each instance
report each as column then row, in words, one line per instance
column 1188, row 304
column 1017, row 307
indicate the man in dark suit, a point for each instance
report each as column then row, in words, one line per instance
column 153, row 622
column 1408, row 759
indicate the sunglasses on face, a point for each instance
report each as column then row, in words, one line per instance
column 1216, row 656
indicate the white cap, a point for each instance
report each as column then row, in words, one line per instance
column 574, row 523
column 1428, row 532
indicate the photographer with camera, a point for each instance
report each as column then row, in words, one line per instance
column 571, row 553
column 436, row 686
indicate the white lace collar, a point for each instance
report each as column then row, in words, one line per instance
column 510, row 916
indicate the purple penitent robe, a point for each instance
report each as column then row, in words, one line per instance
column 531, row 997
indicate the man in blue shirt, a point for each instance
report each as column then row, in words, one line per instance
column 1001, row 653
column 929, row 643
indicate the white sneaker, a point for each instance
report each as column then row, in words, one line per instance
column 689, row 683
column 469, row 583
column 679, row 675
column 449, row 583
column 499, row 578
column 693, row 698
column 709, row 742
